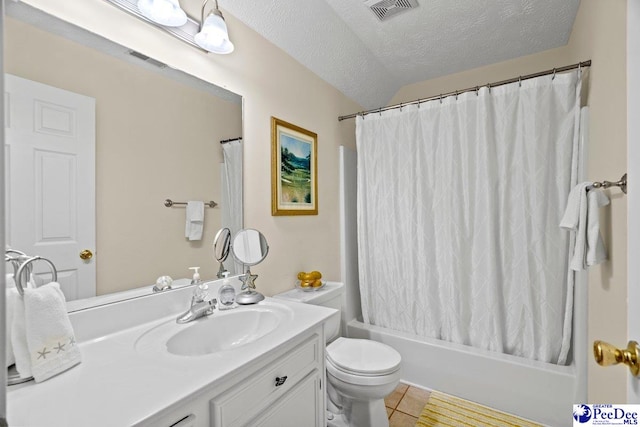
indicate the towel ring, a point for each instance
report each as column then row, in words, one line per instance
column 14, row 251
column 15, row 261
column 24, row 265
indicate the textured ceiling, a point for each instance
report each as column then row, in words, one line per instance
column 343, row 42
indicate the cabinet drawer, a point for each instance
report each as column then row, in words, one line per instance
column 298, row 408
column 245, row 401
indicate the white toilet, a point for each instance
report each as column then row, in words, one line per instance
column 360, row 373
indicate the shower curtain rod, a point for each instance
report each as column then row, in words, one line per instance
column 470, row 89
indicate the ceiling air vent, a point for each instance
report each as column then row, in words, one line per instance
column 385, row 9
column 146, row 59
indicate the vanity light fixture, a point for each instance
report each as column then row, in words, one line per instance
column 163, row 12
column 213, row 35
column 209, row 34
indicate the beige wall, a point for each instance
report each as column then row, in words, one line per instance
column 155, row 139
column 272, row 84
column 599, row 34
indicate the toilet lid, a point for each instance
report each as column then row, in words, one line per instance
column 363, row 357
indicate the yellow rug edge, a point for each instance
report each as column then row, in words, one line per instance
column 443, row 410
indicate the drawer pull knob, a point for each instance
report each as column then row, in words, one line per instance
column 280, row 381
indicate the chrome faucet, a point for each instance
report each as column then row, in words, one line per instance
column 199, row 308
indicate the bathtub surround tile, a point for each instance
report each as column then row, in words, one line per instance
column 399, row 419
column 394, row 398
column 413, row 401
column 389, row 412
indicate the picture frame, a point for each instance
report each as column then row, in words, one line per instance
column 294, row 169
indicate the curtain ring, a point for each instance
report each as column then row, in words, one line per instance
column 489, row 87
column 519, row 81
column 401, row 104
column 554, row 74
column 579, row 68
column 440, row 98
column 456, row 95
column 380, row 111
column 419, row 100
column 477, row 90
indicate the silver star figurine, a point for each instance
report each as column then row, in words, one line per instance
column 248, row 281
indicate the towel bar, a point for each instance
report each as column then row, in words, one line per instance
column 622, row 183
column 168, row 203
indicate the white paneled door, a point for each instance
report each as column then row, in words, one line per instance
column 633, row 189
column 50, row 180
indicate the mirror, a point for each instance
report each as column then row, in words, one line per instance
column 221, row 248
column 157, row 133
column 249, row 247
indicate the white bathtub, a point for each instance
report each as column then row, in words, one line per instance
column 534, row 390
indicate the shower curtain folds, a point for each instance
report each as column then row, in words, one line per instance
column 458, row 210
column 232, row 193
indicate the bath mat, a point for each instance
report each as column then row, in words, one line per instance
column 443, row 410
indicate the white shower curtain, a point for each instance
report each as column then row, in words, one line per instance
column 459, row 205
column 232, row 217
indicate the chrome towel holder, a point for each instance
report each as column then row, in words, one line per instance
column 22, row 268
column 622, row 183
column 168, row 203
column 25, row 265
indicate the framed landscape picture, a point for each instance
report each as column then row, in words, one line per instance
column 294, row 170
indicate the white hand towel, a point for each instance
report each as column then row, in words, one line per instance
column 9, row 282
column 596, row 252
column 195, row 220
column 11, row 299
column 19, row 339
column 583, row 219
column 13, row 303
column 49, row 335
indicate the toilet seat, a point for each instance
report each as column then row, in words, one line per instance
column 359, row 379
column 359, row 361
column 363, row 357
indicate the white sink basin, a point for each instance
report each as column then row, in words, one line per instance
column 221, row 331
column 217, row 333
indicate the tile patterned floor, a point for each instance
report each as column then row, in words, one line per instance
column 405, row 404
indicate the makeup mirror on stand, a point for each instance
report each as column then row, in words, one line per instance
column 249, row 247
column 221, row 248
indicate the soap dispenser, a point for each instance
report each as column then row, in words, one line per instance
column 202, row 290
column 196, row 275
column 226, row 294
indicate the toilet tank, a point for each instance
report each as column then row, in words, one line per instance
column 329, row 296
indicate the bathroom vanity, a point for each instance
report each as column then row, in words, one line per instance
column 256, row 365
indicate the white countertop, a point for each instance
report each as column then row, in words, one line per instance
column 118, row 385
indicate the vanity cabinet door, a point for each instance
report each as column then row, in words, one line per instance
column 246, row 403
column 299, row 407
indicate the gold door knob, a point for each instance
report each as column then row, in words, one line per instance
column 86, row 254
column 606, row 355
